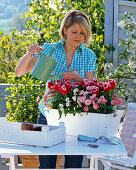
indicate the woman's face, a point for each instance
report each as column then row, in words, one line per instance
column 74, row 35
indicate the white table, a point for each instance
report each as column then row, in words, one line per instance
column 70, row 147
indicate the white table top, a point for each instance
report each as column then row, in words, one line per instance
column 70, row 147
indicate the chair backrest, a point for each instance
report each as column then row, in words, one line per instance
column 128, row 129
column 133, row 161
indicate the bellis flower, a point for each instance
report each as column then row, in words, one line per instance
column 78, row 98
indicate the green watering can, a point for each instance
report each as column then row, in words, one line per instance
column 44, row 66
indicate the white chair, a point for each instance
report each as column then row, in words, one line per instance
column 128, row 135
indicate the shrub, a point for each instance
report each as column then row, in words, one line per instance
column 125, row 73
column 22, row 104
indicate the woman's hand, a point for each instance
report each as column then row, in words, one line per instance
column 73, row 75
column 89, row 75
column 69, row 75
column 34, row 48
column 25, row 64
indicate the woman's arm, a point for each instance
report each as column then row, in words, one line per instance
column 26, row 64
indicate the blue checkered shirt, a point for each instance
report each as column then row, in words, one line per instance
column 83, row 59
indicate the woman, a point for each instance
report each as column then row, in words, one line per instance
column 70, row 53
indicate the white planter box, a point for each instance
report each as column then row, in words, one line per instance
column 50, row 135
column 93, row 124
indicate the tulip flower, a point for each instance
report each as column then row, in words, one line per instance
column 63, row 90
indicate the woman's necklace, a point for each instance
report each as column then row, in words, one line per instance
column 69, row 59
column 69, row 56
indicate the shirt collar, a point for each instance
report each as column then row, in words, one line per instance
column 81, row 47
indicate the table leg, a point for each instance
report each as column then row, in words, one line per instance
column 96, row 164
column 93, row 163
column 12, row 163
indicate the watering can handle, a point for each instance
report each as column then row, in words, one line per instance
column 33, row 60
column 49, row 55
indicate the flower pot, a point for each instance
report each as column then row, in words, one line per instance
column 91, row 124
column 30, row 161
column 26, row 126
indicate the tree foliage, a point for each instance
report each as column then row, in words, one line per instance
column 12, row 48
column 46, row 16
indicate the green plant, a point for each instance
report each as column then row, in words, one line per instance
column 125, row 73
column 22, row 104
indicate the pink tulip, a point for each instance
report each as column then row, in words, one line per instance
column 99, row 101
column 91, row 101
column 104, row 101
column 102, row 97
column 93, row 96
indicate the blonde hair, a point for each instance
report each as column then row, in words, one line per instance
column 77, row 16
